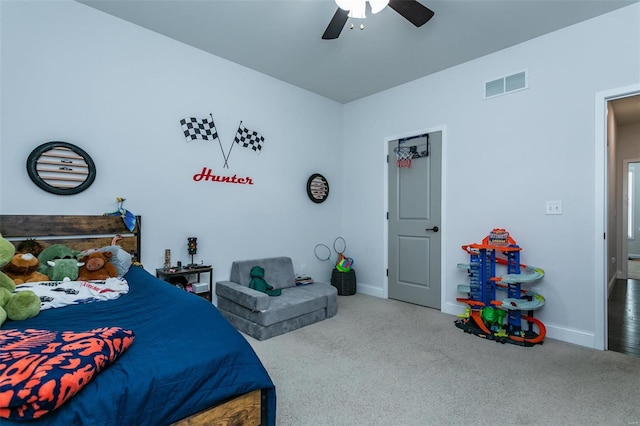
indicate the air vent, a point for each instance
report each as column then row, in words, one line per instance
column 503, row 85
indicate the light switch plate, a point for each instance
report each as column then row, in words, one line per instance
column 554, row 207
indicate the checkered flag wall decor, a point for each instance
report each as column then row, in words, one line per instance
column 194, row 128
column 249, row 139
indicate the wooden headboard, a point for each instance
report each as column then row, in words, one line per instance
column 75, row 232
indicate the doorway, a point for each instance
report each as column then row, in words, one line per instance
column 617, row 114
column 414, row 219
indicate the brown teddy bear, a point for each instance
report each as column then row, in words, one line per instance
column 97, row 266
column 23, row 268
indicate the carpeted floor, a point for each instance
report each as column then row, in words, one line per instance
column 634, row 269
column 383, row 362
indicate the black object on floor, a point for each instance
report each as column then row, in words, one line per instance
column 345, row 282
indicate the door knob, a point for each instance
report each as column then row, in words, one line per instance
column 434, row 229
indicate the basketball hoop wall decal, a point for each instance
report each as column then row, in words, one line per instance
column 317, row 188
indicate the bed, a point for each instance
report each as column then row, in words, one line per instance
column 187, row 364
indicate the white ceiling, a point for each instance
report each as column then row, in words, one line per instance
column 283, row 38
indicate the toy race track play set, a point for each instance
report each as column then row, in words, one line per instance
column 485, row 315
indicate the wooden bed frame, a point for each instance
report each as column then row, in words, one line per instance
column 87, row 232
column 76, row 232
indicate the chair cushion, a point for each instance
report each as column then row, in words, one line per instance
column 278, row 271
column 293, row 303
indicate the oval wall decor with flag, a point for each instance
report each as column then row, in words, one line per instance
column 61, row 168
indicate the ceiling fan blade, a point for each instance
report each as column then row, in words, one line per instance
column 412, row 11
column 335, row 26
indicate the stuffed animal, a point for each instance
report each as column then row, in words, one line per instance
column 15, row 306
column 97, row 266
column 63, row 269
column 7, row 250
column 22, row 305
column 56, row 251
column 59, row 262
column 18, row 306
column 5, row 295
column 23, row 268
column 258, row 283
column 30, row 246
column 119, row 257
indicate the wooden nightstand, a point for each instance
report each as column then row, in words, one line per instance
column 168, row 274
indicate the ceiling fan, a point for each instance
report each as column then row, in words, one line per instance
column 411, row 10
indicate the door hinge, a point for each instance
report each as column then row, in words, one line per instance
column 387, row 215
column 387, row 271
column 387, row 159
column 604, row 236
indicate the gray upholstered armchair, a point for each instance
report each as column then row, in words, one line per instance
column 262, row 316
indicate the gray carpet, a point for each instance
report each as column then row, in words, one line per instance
column 384, row 362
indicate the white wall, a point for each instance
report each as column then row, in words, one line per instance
column 75, row 74
column 504, row 158
column 72, row 73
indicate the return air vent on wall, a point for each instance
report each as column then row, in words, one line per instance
column 502, row 85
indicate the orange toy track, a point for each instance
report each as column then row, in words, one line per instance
column 477, row 318
column 471, row 302
column 539, row 338
column 468, row 247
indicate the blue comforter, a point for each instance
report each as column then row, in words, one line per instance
column 185, row 358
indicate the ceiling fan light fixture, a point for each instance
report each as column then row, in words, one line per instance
column 357, row 8
column 378, row 5
column 346, row 4
column 411, row 10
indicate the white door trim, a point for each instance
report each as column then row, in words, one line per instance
column 600, row 264
column 443, row 203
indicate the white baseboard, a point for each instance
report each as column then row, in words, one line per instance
column 453, row 308
column 369, row 290
column 569, row 335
